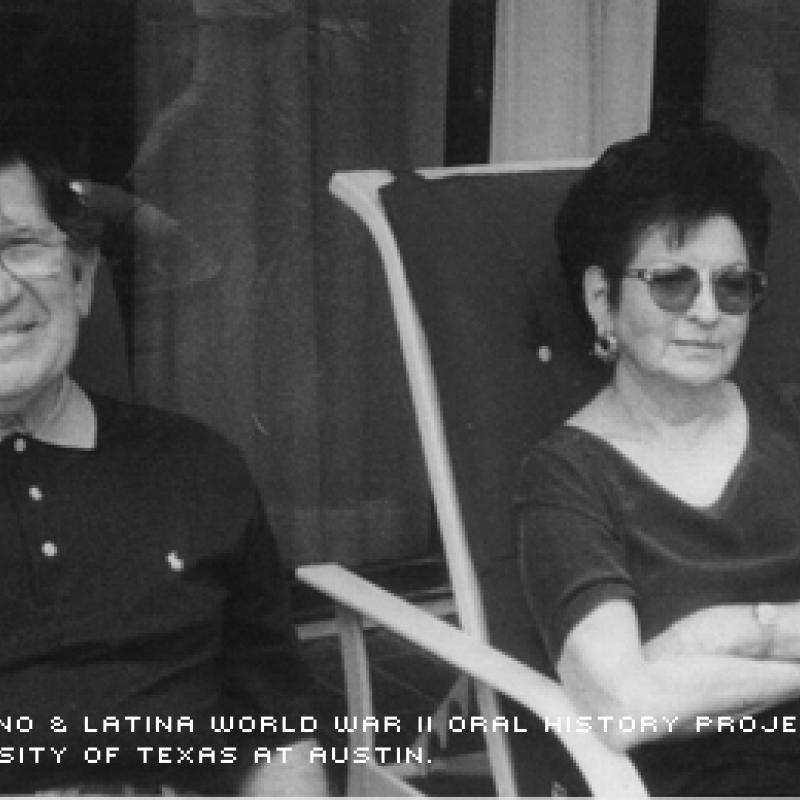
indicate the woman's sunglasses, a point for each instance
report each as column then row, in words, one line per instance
column 674, row 289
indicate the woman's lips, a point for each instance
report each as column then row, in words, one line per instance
column 698, row 343
column 16, row 327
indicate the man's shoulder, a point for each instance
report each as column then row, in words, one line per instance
column 148, row 431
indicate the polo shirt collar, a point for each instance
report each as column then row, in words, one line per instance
column 72, row 424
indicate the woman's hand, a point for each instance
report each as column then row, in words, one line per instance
column 733, row 630
column 716, row 630
column 693, row 669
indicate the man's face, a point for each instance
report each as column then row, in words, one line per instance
column 40, row 311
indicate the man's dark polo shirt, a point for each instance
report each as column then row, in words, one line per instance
column 136, row 579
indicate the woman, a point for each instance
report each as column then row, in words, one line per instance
column 660, row 526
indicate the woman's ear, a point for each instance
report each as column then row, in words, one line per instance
column 596, row 296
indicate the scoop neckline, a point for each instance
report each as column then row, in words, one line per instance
column 715, row 508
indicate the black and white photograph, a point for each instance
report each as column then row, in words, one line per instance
column 400, row 397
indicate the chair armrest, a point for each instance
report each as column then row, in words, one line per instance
column 607, row 773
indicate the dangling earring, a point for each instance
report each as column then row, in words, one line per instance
column 606, row 347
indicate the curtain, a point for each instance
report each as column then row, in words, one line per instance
column 571, row 76
column 752, row 77
column 257, row 303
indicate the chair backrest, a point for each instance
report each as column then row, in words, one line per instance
column 478, row 321
column 497, row 354
column 508, row 350
column 101, row 360
column 772, row 347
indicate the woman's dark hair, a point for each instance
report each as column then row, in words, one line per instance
column 65, row 207
column 676, row 178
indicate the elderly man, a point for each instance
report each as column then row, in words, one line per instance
column 142, row 608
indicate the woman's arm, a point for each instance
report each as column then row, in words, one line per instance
column 606, row 670
column 769, row 631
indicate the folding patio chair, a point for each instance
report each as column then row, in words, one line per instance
column 496, row 356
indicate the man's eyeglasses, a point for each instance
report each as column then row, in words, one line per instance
column 27, row 258
column 674, row 289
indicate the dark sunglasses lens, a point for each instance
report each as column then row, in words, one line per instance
column 737, row 291
column 674, row 289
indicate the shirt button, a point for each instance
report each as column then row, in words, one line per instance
column 19, row 445
column 174, row 561
column 49, row 549
column 545, row 354
column 35, row 493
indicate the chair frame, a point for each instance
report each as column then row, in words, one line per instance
column 467, row 648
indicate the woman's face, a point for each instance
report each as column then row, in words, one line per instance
column 696, row 347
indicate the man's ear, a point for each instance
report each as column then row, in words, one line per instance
column 84, row 268
column 596, row 296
